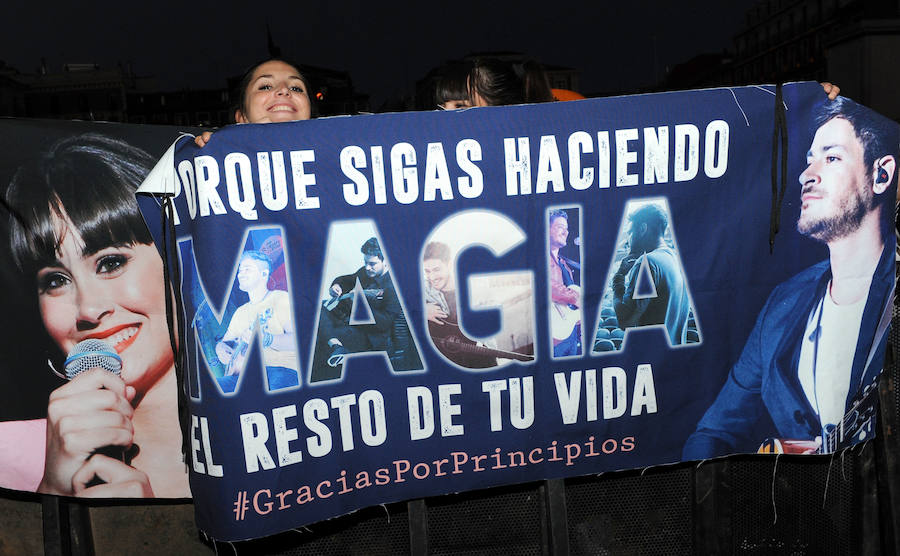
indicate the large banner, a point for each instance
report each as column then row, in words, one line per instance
column 387, row 307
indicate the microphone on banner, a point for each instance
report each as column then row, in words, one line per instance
column 90, row 354
column 94, row 353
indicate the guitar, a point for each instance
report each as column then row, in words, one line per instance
column 453, row 344
column 857, row 425
column 564, row 318
column 342, row 310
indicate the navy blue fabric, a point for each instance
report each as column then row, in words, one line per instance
column 631, row 399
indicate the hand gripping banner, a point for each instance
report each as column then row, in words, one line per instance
column 387, row 307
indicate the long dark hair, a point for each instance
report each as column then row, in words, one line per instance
column 502, row 83
column 452, row 82
column 88, row 180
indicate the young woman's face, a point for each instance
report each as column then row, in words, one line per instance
column 276, row 93
column 455, row 104
column 116, row 295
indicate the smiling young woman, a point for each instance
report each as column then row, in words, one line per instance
column 271, row 91
column 96, row 274
column 274, row 91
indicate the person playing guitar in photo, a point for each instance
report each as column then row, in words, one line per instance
column 818, row 344
column 268, row 309
column 443, row 317
column 565, row 293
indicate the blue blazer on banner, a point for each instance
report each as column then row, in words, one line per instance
column 765, row 377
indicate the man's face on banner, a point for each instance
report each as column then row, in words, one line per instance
column 641, row 239
column 437, row 272
column 250, row 275
column 374, row 266
column 559, row 232
column 837, row 189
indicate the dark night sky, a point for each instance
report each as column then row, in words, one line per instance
column 385, row 46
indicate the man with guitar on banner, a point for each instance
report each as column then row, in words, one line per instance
column 387, row 332
column 443, row 316
column 565, row 314
column 818, row 344
column 270, row 310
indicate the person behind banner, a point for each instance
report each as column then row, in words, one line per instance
column 270, row 309
column 564, row 291
column 818, row 342
column 442, row 313
column 78, row 237
column 671, row 305
column 451, row 92
column 495, row 82
column 388, row 331
column 271, row 91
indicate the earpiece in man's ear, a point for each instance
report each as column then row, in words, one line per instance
column 882, row 175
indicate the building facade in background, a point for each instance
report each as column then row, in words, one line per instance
column 89, row 92
column 849, row 42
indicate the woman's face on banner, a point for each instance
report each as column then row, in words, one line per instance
column 114, row 294
column 276, row 93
